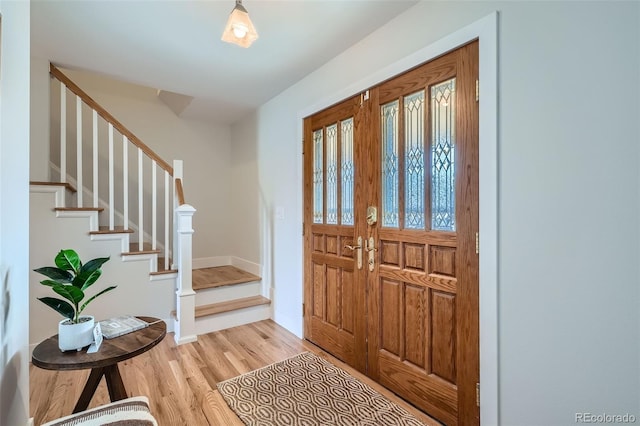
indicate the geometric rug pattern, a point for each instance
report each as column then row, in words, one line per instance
column 306, row 390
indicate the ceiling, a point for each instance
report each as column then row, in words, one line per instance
column 175, row 46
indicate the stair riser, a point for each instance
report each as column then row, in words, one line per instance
column 230, row 319
column 229, row 292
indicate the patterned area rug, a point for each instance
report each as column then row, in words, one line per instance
column 306, row 390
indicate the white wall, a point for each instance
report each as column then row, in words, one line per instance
column 39, row 105
column 14, row 208
column 246, row 196
column 204, row 148
column 569, row 193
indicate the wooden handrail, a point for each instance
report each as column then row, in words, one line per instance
column 109, row 118
column 180, row 192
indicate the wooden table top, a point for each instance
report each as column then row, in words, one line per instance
column 47, row 354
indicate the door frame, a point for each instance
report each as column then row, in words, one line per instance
column 486, row 31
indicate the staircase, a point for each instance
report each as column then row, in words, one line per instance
column 227, row 297
column 109, row 208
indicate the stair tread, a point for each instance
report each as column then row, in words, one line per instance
column 220, row 276
column 231, row 305
column 78, row 209
column 134, row 248
column 164, row 271
column 65, row 184
column 115, row 230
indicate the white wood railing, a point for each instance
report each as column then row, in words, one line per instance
column 139, row 188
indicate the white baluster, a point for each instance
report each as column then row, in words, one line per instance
column 167, row 235
column 63, row 132
column 95, row 158
column 154, row 209
column 111, row 201
column 79, row 149
column 125, row 181
column 140, row 196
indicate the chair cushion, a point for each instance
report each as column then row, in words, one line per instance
column 127, row 412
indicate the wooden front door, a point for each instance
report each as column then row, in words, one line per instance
column 334, row 285
column 419, row 175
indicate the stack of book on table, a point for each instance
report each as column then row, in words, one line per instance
column 114, row 327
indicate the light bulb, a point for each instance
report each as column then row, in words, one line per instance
column 240, row 30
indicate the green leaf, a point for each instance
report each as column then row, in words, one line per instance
column 51, row 283
column 85, row 279
column 69, row 292
column 91, row 299
column 68, row 260
column 55, row 274
column 60, row 306
column 94, row 264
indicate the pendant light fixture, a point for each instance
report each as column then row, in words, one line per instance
column 239, row 29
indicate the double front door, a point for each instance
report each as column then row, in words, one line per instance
column 391, row 222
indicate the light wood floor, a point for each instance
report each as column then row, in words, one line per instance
column 180, row 381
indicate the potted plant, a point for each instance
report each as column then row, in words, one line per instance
column 70, row 278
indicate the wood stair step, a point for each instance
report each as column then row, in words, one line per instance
column 231, row 305
column 65, row 184
column 220, row 276
column 134, row 248
column 116, row 230
column 78, row 209
column 164, row 271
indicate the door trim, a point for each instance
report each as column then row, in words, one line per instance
column 486, row 31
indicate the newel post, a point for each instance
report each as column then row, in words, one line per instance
column 185, row 326
column 185, row 330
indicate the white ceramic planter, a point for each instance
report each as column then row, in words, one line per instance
column 75, row 336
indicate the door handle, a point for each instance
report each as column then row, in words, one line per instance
column 371, row 249
column 358, row 250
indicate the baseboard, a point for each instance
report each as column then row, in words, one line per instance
column 210, row 262
column 186, row 339
column 246, row 265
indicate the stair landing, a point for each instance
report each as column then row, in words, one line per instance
column 220, row 276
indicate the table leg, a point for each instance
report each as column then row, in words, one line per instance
column 114, row 383
column 89, row 389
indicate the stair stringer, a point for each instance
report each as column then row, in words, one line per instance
column 52, row 230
